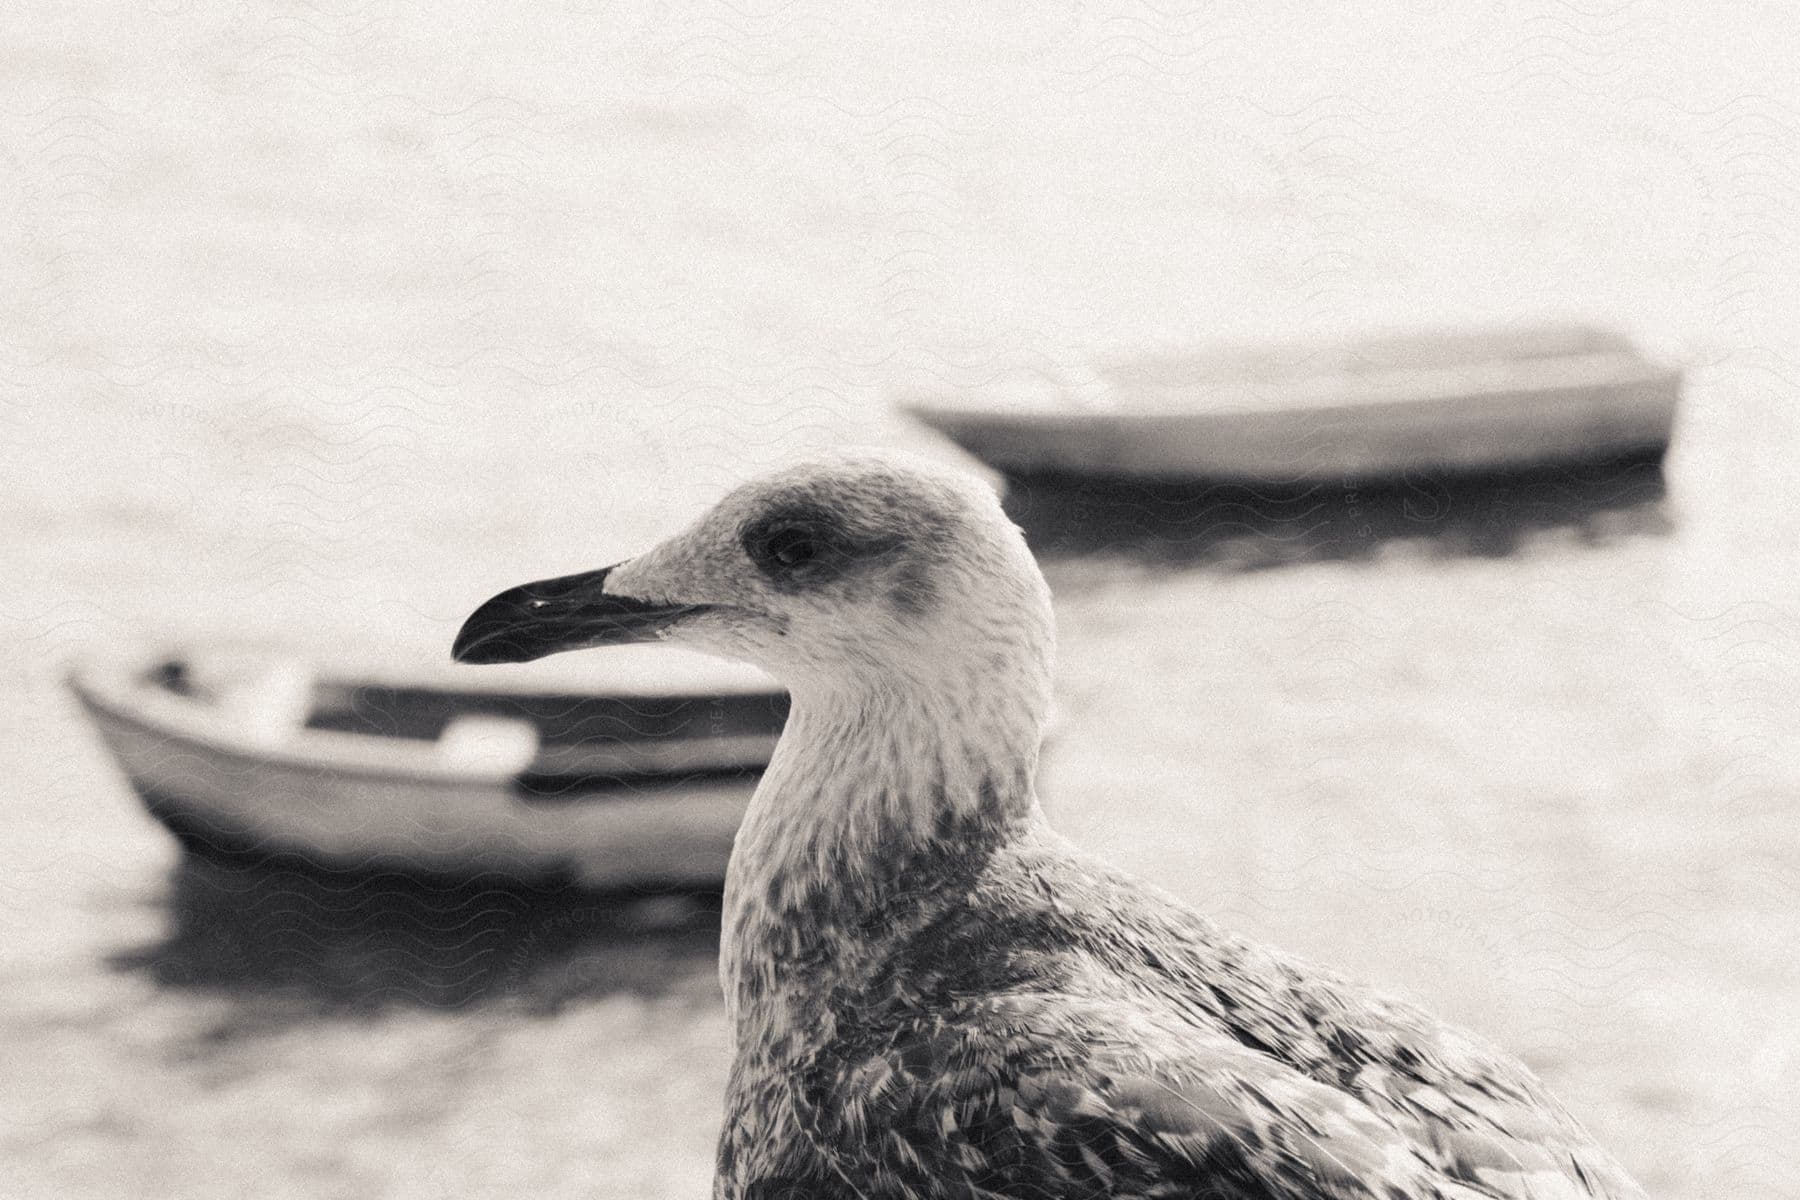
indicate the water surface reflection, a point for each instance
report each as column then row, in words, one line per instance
column 334, row 940
column 1238, row 528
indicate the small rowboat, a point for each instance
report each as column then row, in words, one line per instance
column 1303, row 413
column 640, row 783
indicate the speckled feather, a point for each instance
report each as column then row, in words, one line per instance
column 1042, row 1026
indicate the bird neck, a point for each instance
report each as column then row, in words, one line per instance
column 877, row 806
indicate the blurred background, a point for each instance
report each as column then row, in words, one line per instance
column 325, row 320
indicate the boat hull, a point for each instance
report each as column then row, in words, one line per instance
column 225, row 798
column 1520, row 402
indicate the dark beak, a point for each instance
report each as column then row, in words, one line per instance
column 552, row 615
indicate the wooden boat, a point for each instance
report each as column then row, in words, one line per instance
column 1303, row 413
column 640, row 783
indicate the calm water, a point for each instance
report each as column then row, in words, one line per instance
column 326, row 320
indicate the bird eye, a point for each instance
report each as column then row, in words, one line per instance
column 799, row 547
column 792, row 546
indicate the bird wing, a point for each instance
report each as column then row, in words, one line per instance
column 1473, row 1114
column 1059, row 1096
column 1077, row 1035
column 1070, row 1096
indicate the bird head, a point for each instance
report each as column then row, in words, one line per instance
column 832, row 574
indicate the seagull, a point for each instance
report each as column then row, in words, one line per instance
column 933, row 994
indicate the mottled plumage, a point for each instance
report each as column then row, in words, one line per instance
column 1038, row 1025
column 933, row 994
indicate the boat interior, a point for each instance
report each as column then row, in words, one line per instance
column 550, row 735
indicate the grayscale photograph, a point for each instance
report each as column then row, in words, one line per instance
column 788, row 601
